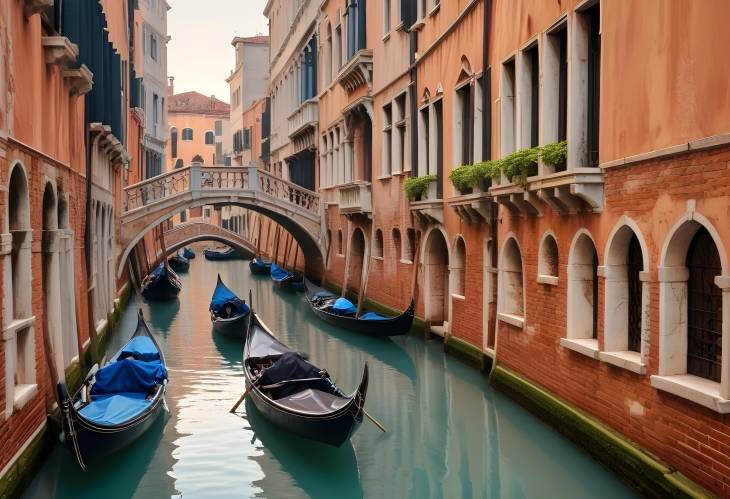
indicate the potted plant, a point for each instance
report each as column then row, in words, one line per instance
column 464, row 179
column 555, row 155
column 416, row 187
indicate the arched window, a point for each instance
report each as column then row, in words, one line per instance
column 378, row 244
column 583, row 292
column 396, row 243
column 436, row 281
column 340, row 249
column 179, row 163
column 187, row 134
column 173, row 142
column 547, row 265
column 511, row 300
column 459, row 268
column 410, row 248
column 356, row 259
column 625, row 306
column 51, row 284
column 209, row 138
column 704, row 308
column 329, row 55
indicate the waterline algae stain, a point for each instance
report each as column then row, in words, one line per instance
column 449, row 434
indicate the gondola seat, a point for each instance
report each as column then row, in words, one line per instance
column 115, row 408
column 373, row 316
column 292, row 366
column 128, row 375
column 315, row 401
column 344, row 307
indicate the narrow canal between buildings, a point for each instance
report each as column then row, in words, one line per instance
column 449, row 434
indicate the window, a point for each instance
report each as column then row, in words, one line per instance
column 530, row 93
column 329, row 56
column 585, row 68
column 356, row 32
column 227, row 161
column 207, row 213
column 155, row 112
column 555, row 89
column 387, row 139
column 338, row 48
column 410, row 247
column 247, row 138
column 378, row 244
column 386, row 16
column 594, row 83
column 583, row 292
column 547, row 265
column 179, row 163
column 173, row 142
column 465, row 126
column 399, row 158
column 507, row 108
column 340, row 249
column 512, row 300
column 438, row 146
column 153, row 46
column 459, row 268
column 209, row 138
column 423, row 142
column 218, row 128
column 396, row 244
column 422, row 9
column 187, row 134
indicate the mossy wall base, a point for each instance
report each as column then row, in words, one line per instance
column 644, row 472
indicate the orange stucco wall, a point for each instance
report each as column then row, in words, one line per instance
column 186, row 150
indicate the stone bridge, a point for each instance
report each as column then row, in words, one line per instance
column 187, row 233
column 148, row 203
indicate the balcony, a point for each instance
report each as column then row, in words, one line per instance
column 429, row 209
column 31, row 7
column 568, row 192
column 356, row 198
column 357, row 72
column 59, row 50
column 475, row 207
column 303, row 125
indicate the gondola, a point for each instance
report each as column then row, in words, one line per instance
column 296, row 395
column 162, row 284
column 284, row 279
column 188, row 253
column 117, row 403
column 341, row 312
column 259, row 266
column 229, row 254
column 228, row 312
column 179, row 263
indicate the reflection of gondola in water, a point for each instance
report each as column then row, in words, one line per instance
column 318, row 469
column 228, row 312
column 341, row 312
column 162, row 284
column 117, row 403
column 294, row 394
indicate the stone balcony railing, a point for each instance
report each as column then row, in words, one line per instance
column 357, row 72
column 356, row 198
column 430, row 208
column 304, row 118
column 567, row 192
column 475, row 207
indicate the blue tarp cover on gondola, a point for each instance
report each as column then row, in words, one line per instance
column 373, row 316
column 115, row 409
column 188, row 253
column 223, row 296
column 343, row 306
column 128, row 376
column 141, row 348
column 278, row 274
column 290, row 366
column 261, row 263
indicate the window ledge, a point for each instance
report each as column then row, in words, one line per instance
column 458, row 297
column 513, row 320
column 378, row 258
column 386, row 37
column 400, row 27
column 418, row 25
column 339, row 255
column 23, row 394
column 584, row 346
column 398, row 174
column 698, row 390
column 16, row 326
column 435, row 10
column 625, row 360
column 384, row 177
column 550, row 280
column 406, row 262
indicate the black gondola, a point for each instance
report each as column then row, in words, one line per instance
column 162, row 284
column 340, row 312
column 117, row 403
column 259, row 266
column 286, row 280
column 294, row 394
column 188, row 253
column 229, row 254
column 179, row 263
column 228, row 312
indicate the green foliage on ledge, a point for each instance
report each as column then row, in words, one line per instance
column 416, row 187
column 521, row 164
column 554, row 154
column 469, row 176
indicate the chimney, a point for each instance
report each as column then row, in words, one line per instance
column 171, row 86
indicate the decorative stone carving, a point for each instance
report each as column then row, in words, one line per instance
column 32, row 7
column 59, row 50
column 80, row 80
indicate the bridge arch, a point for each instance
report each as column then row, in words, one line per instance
column 192, row 232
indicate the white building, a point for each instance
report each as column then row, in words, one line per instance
column 153, row 89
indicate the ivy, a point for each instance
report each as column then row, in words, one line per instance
column 555, row 154
column 416, row 187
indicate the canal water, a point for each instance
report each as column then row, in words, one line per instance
column 449, row 434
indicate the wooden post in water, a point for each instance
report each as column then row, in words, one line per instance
column 267, row 247
column 326, row 262
column 276, row 245
column 296, row 255
column 416, row 266
column 162, row 245
column 366, row 277
column 287, row 249
column 258, row 238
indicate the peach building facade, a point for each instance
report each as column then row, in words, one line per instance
column 601, row 276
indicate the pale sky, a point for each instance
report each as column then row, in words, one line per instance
column 200, row 55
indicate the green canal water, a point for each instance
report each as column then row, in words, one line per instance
column 449, row 434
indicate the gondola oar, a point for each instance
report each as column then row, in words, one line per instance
column 374, row 421
column 248, row 390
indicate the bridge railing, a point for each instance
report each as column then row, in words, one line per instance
column 196, row 178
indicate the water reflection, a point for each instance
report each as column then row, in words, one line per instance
column 449, row 434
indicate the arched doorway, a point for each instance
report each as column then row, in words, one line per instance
column 436, row 261
column 356, row 261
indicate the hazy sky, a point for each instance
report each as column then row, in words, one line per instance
column 200, row 55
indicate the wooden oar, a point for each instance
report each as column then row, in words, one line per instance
column 248, row 390
column 374, row 421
